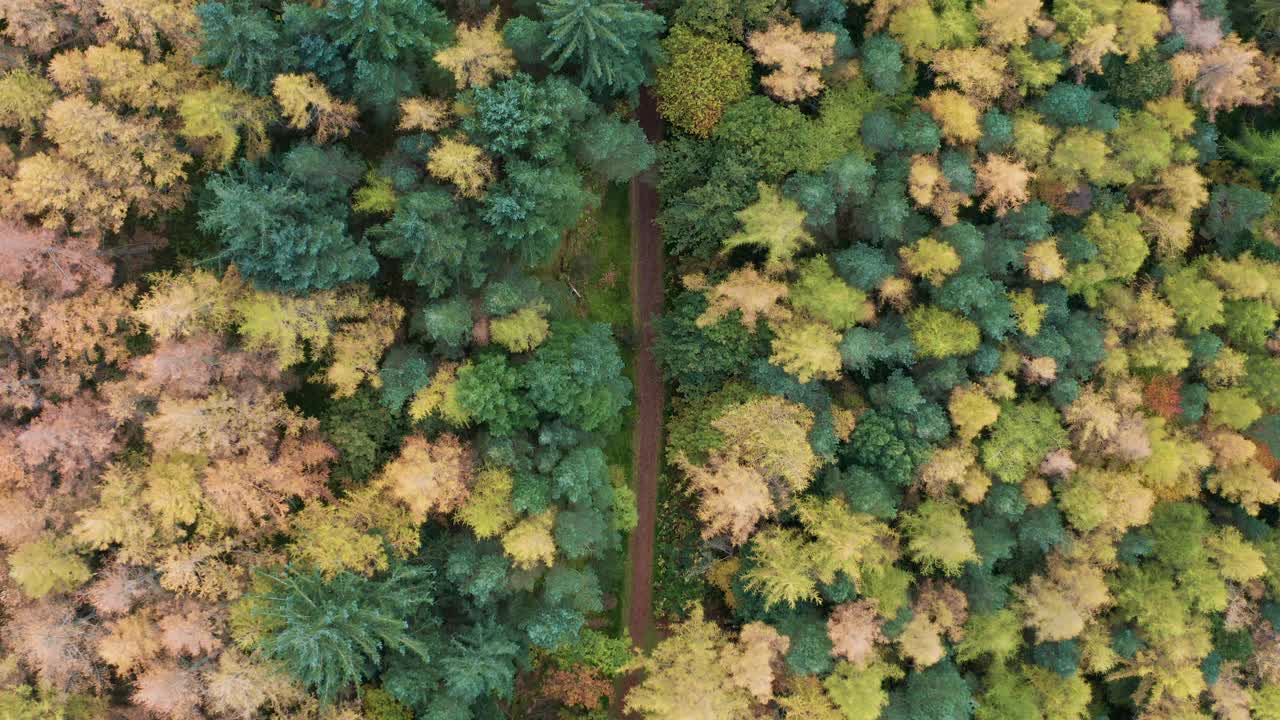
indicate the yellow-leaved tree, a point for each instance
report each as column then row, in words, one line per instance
column 699, row 673
column 102, row 166
column 344, row 326
column 306, row 103
column 424, row 114
column 465, row 165
column 216, row 118
column 429, row 475
column 775, row 223
column 798, row 55
column 488, row 511
column 529, row 543
column 763, row 460
column 479, row 56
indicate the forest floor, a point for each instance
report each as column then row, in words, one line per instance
column 610, row 301
column 594, row 264
column 646, row 292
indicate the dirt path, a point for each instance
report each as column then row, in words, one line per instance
column 646, row 291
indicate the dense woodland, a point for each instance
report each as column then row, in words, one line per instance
column 315, row 349
column 301, row 418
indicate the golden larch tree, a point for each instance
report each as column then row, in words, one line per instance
column 479, row 56
column 798, row 57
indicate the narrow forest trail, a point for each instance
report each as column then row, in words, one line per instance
column 646, row 290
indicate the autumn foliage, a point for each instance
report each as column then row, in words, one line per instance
column 314, row 342
column 1010, row 266
column 247, row 470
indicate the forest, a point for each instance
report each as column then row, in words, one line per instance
column 646, row 359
